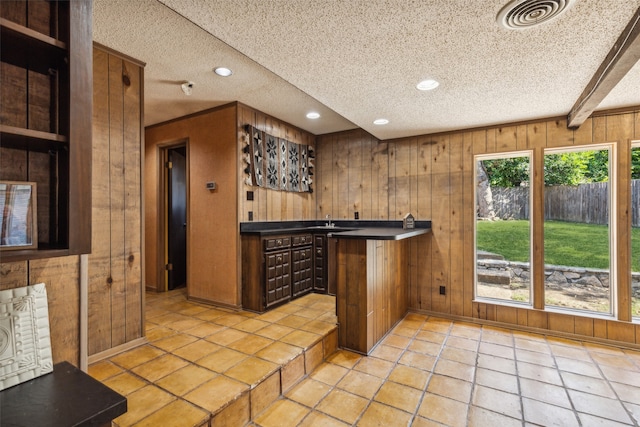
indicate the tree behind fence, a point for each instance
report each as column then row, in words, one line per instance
column 586, row 203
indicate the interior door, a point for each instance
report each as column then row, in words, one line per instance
column 177, row 217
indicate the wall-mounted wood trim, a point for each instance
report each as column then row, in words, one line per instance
column 538, row 229
column 80, row 132
column 193, row 115
column 624, row 54
column 120, row 55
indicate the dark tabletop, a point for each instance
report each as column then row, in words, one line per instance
column 66, row 397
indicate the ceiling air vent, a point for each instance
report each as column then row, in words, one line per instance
column 523, row 14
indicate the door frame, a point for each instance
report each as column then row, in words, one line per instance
column 162, row 208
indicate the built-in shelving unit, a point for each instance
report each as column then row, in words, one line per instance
column 45, row 118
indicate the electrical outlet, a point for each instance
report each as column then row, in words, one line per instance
column 249, row 195
column 443, row 290
column 250, row 215
column 356, row 215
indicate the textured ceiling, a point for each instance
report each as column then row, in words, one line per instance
column 359, row 60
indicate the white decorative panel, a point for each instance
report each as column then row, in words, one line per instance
column 25, row 339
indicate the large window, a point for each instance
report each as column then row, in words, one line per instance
column 635, row 230
column 576, row 224
column 578, row 240
column 503, row 228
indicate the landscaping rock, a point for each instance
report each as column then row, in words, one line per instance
column 589, row 281
column 489, row 255
column 494, row 263
column 578, row 270
column 557, row 278
column 571, row 276
column 495, row 277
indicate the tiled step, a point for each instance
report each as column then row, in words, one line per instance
column 205, row 366
column 245, row 407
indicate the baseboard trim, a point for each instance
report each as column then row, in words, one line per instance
column 521, row 328
column 116, row 350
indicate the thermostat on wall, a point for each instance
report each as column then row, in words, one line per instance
column 211, row 185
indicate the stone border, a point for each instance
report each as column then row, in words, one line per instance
column 501, row 272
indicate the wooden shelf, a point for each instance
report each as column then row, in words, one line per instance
column 10, row 28
column 29, row 254
column 35, row 140
column 26, row 48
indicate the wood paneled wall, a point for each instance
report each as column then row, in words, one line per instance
column 431, row 176
column 271, row 205
column 115, row 263
column 213, row 240
column 115, row 288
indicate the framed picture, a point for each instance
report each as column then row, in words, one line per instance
column 18, row 224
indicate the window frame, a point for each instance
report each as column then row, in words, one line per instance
column 493, row 156
column 612, row 226
column 634, row 319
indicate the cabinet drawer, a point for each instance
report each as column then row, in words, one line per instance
column 274, row 243
column 278, row 260
column 302, row 240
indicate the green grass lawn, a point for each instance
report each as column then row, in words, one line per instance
column 565, row 243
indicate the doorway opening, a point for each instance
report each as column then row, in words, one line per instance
column 175, row 192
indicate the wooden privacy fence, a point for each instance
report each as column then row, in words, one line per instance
column 586, row 203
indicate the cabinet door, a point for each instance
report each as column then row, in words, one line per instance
column 278, row 280
column 320, row 263
column 302, row 270
column 307, row 277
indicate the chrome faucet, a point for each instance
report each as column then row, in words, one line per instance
column 329, row 224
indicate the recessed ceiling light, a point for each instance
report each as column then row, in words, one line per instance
column 427, row 85
column 313, row 115
column 380, row 121
column 223, row 71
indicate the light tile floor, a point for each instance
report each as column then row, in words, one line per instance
column 428, row 372
column 209, row 366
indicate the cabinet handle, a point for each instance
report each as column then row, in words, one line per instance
column 319, row 252
column 279, row 242
column 279, row 258
column 303, row 239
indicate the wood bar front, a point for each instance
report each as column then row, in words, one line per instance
column 371, row 295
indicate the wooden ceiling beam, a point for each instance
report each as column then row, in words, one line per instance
column 624, row 54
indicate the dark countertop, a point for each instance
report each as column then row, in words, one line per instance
column 348, row 229
column 379, row 233
column 65, row 397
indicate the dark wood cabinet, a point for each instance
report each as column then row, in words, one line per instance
column 302, row 266
column 45, row 137
column 278, row 277
column 276, row 269
column 266, row 271
column 320, row 263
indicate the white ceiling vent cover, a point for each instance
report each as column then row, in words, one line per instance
column 523, row 14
